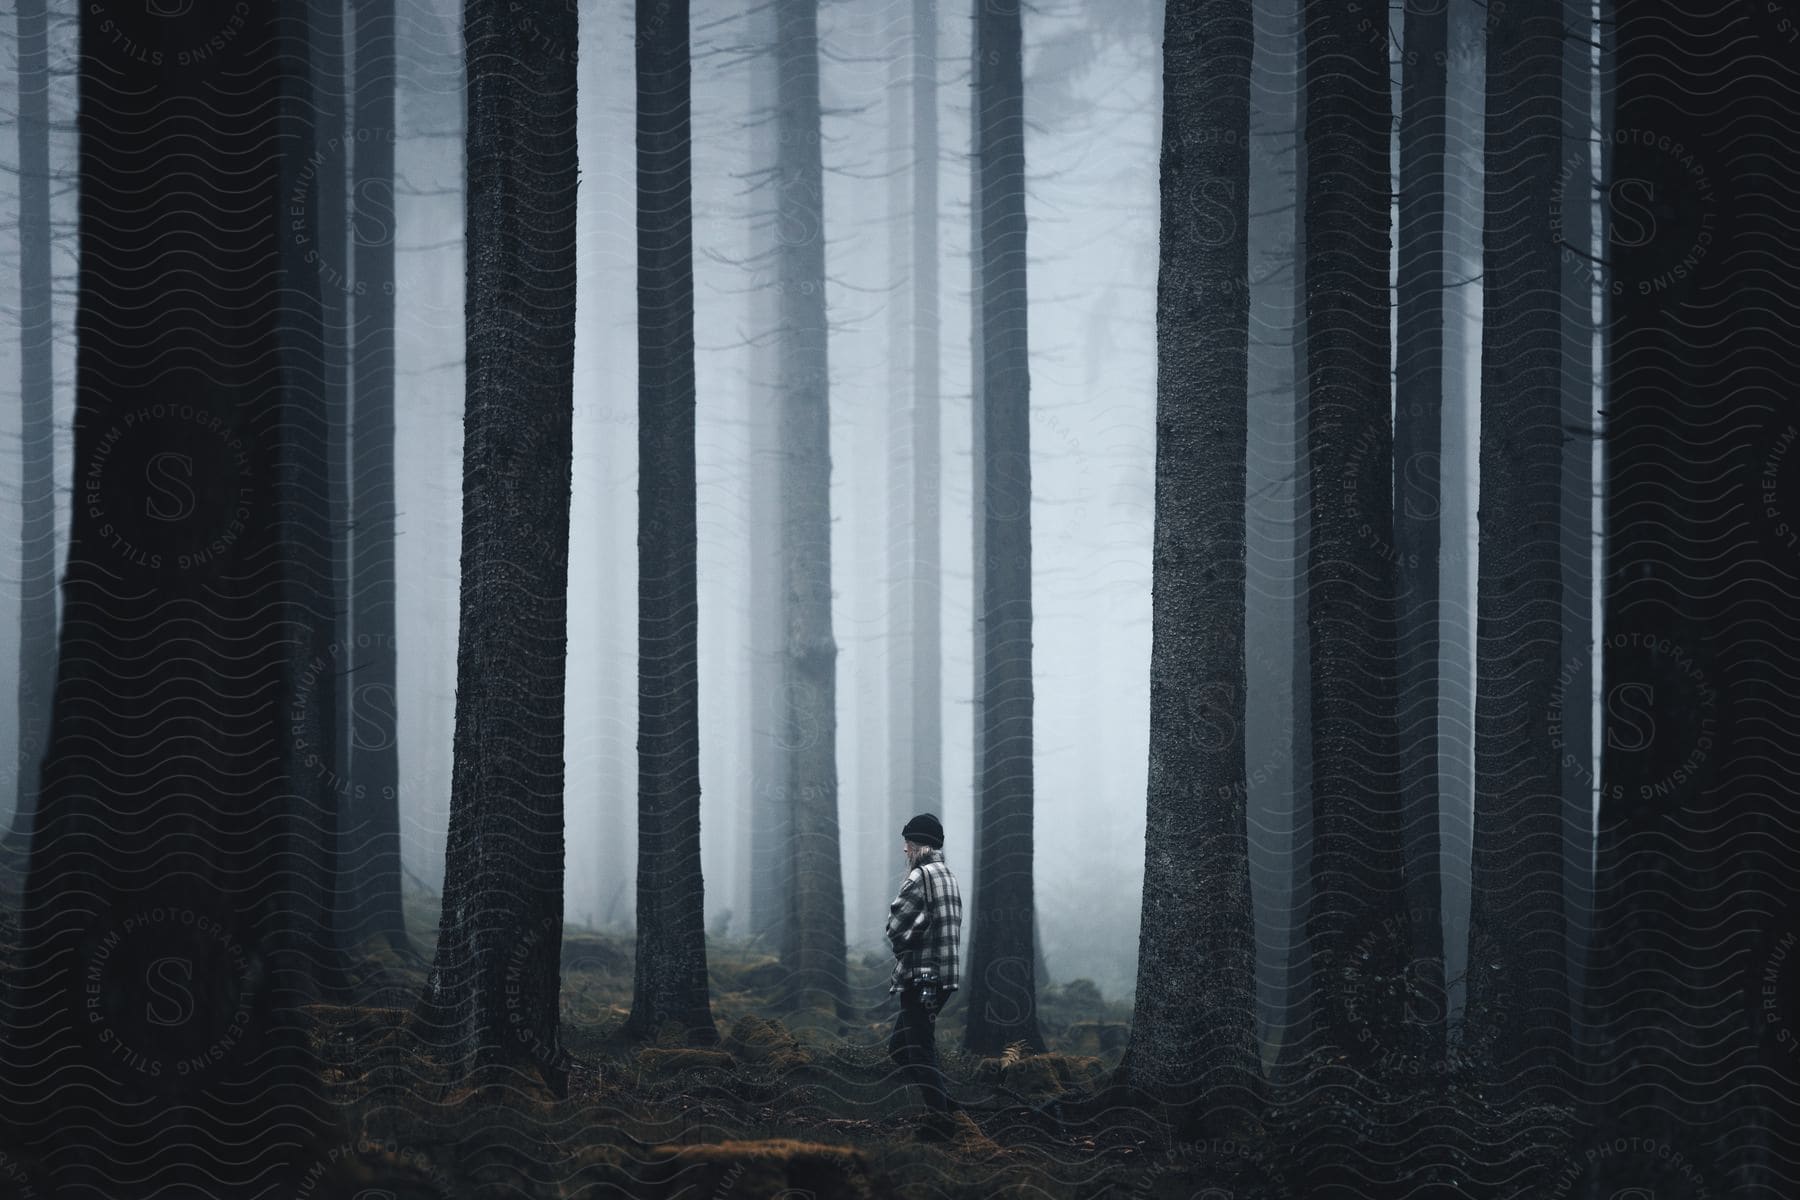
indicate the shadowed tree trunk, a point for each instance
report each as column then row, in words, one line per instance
column 1192, row 1033
column 1001, row 983
column 1758, row 799
column 1695, row 970
column 329, row 204
column 1418, row 415
column 178, row 891
column 37, row 447
column 1572, row 717
column 491, row 998
column 812, row 947
column 1518, row 995
column 373, row 807
column 1300, row 967
column 1356, row 923
column 670, row 983
column 1592, row 1017
column 772, row 879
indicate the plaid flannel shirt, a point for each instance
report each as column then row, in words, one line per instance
column 925, row 924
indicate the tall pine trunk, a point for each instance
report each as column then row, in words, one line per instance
column 330, row 208
column 772, row 878
column 1269, row 486
column 1357, row 927
column 1299, row 997
column 812, row 947
column 978, row 631
column 1573, row 717
column 1192, row 1028
column 1418, row 416
column 1002, row 968
column 1518, row 997
column 916, row 732
column 1759, row 792
column 491, row 997
column 1694, row 972
column 373, row 808
column 670, row 981
column 1653, row 872
column 37, row 448
column 179, row 879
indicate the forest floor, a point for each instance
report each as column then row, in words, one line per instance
column 803, row 1105
column 796, row 1105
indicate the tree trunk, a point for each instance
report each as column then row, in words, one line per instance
column 1002, row 987
column 1758, row 798
column 927, row 736
column 1357, row 920
column 1592, row 1019
column 329, row 202
column 1573, row 732
column 772, row 879
column 916, row 733
column 1299, row 993
column 813, row 942
column 179, row 880
column 1269, row 505
column 37, row 448
column 1192, row 1030
column 1457, row 533
column 613, row 846
column 1695, row 973
column 373, row 807
column 491, row 998
column 1517, row 1018
column 978, row 624
column 1418, row 417
column 670, row 982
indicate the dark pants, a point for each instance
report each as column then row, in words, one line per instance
column 913, row 1047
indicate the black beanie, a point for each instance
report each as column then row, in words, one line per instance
column 924, row 830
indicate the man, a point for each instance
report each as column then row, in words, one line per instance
column 924, row 924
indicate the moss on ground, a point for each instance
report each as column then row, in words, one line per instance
column 806, row 1102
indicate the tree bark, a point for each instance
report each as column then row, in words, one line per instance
column 1418, row 471
column 491, row 997
column 1357, row 919
column 1269, row 504
column 1693, row 972
column 37, row 448
column 179, row 881
column 329, row 204
column 1517, row 1017
column 813, row 939
column 772, row 880
column 1192, row 1028
column 1002, row 985
column 916, row 732
column 670, row 982
column 373, row 808
column 1299, row 999
column 978, row 624
column 1573, row 719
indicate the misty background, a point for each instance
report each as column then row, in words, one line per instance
column 1092, row 105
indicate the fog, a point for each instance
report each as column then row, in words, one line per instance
column 1092, row 104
